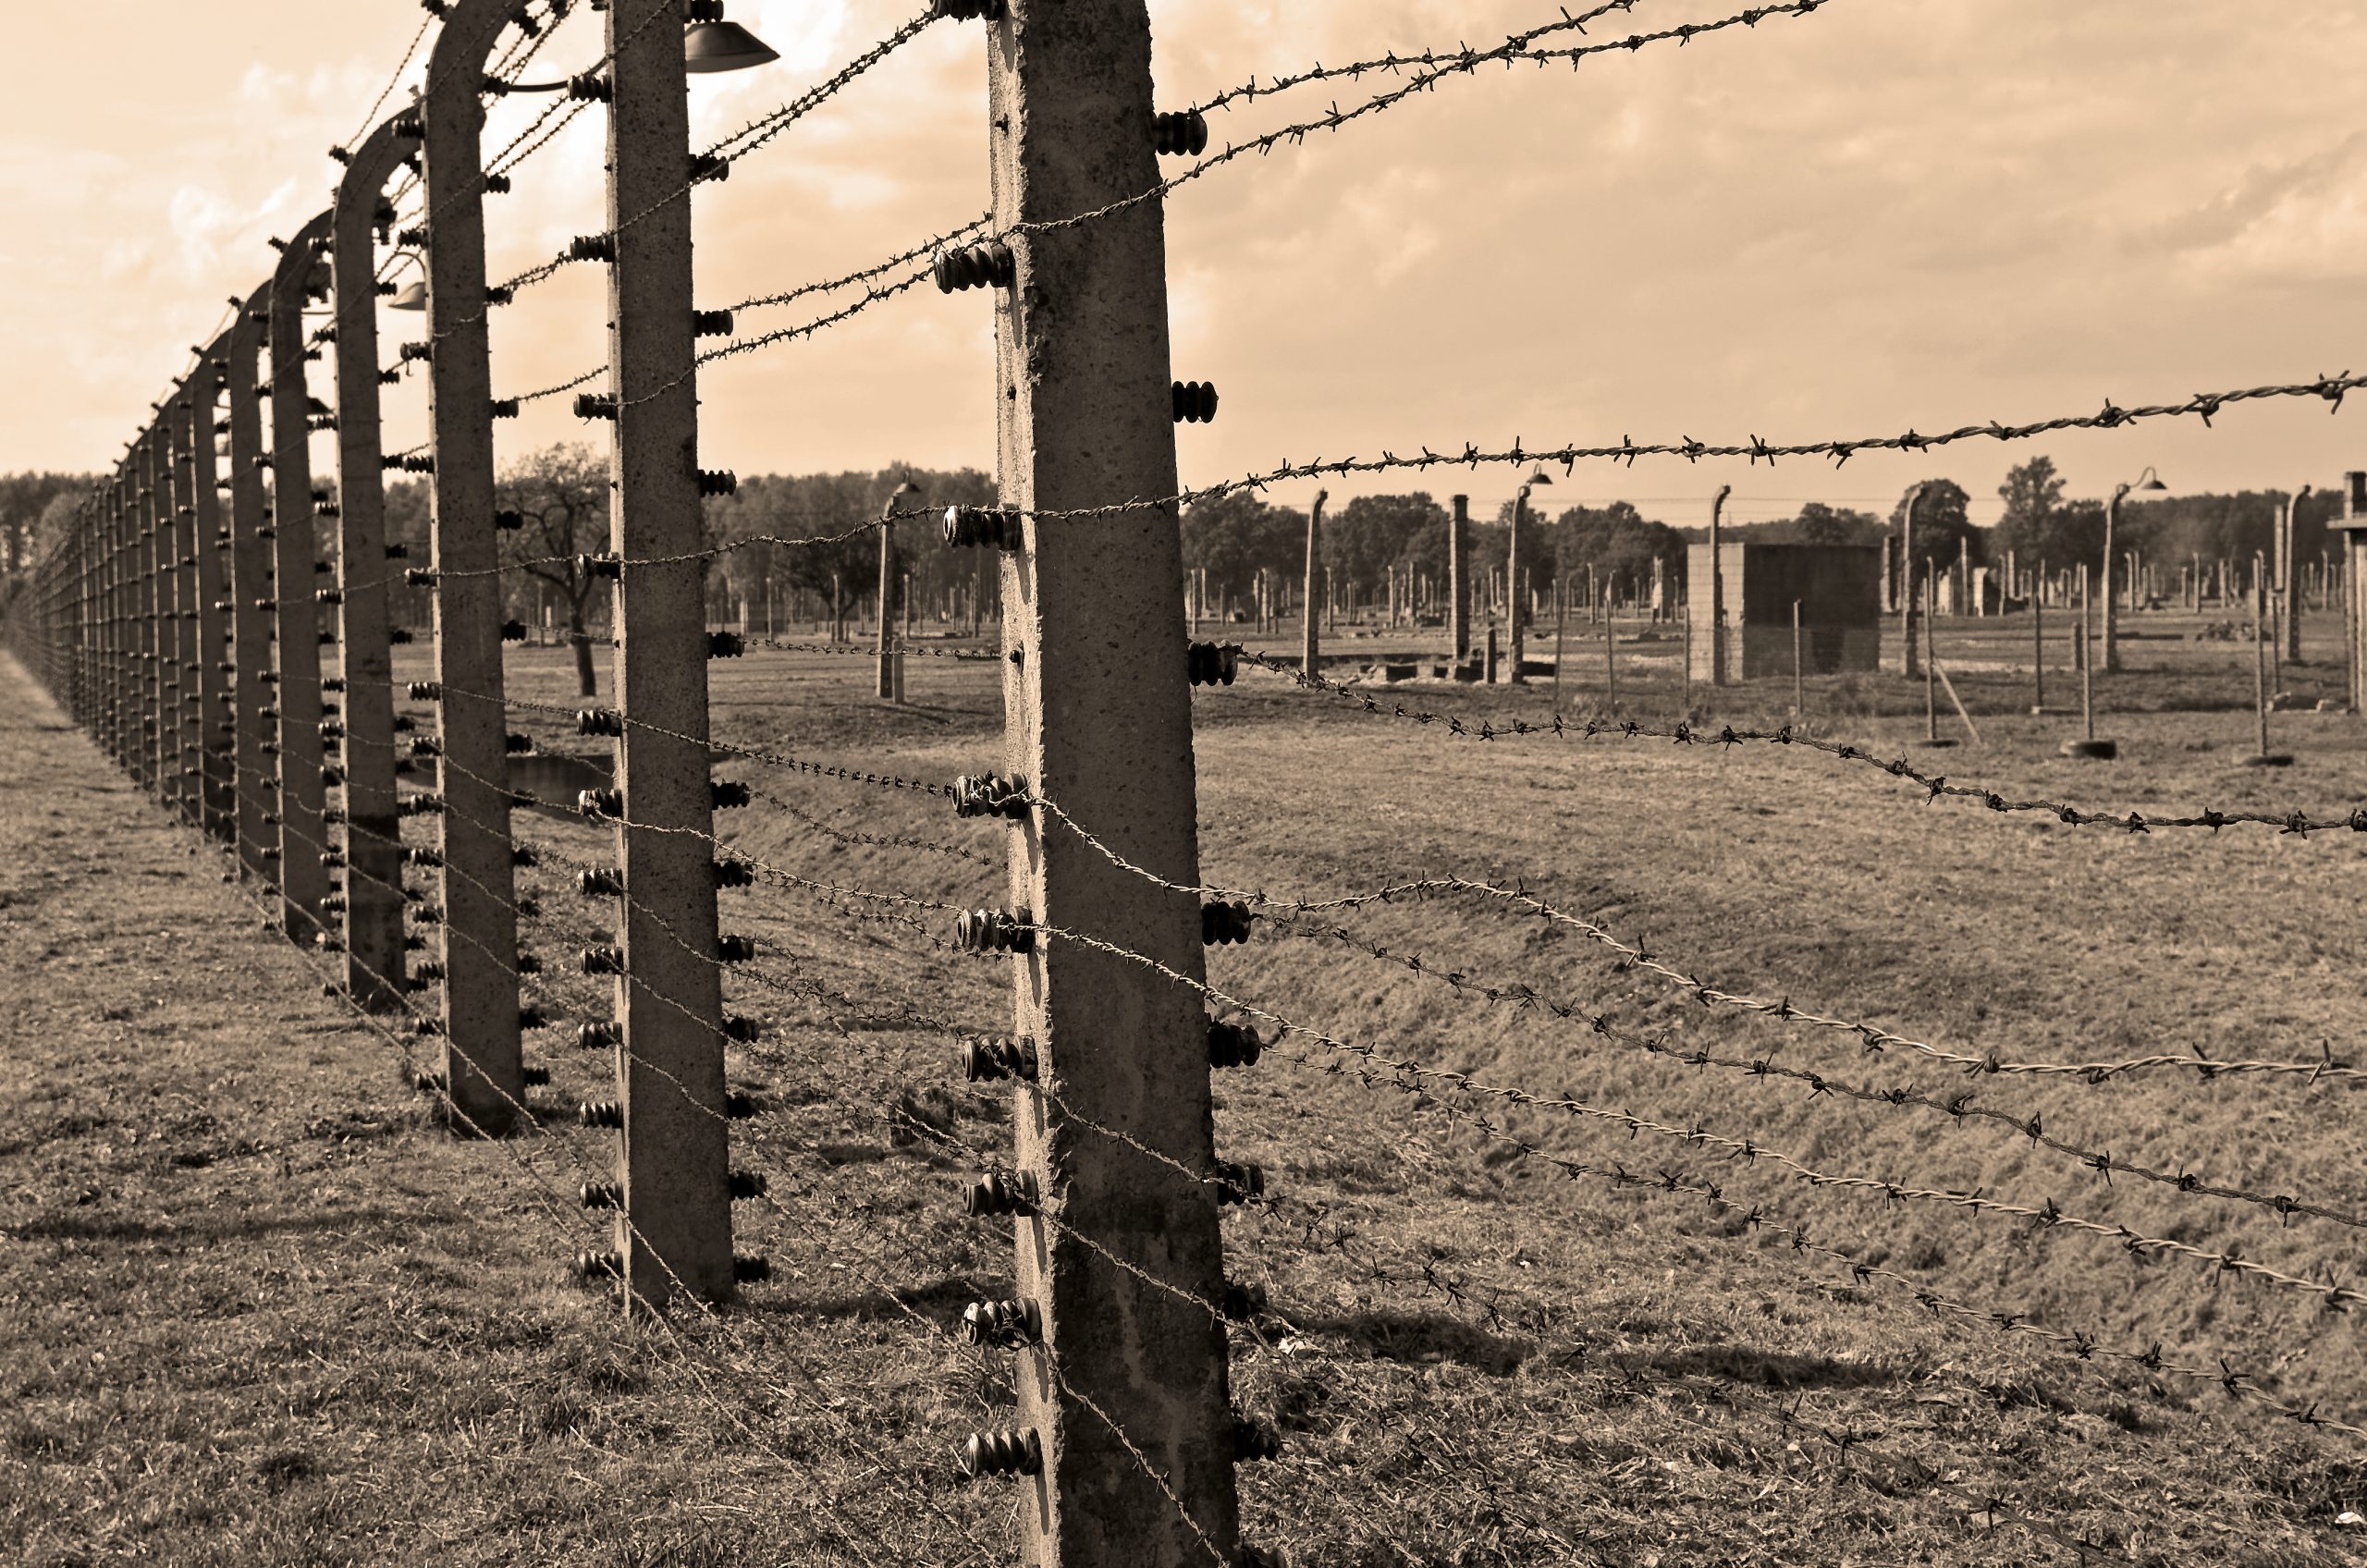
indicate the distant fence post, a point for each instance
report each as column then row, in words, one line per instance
column 1458, row 577
column 375, row 963
column 674, row 1224
column 250, row 595
column 485, row 1074
column 152, row 493
column 1310, row 648
column 216, row 690
column 189, row 707
column 1096, row 685
column 305, row 852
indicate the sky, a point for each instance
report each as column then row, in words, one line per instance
column 1890, row 213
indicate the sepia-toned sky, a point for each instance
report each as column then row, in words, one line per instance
column 1892, row 212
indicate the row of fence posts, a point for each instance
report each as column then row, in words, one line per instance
column 182, row 623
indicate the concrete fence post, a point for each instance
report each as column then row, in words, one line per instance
column 673, row 1229
column 1311, row 651
column 216, row 690
column 485, row 1073
column 303, row 829
column 1458, row 577
column 250, row 595
column 189, row 709
column 375, row 961
column 1095, row 686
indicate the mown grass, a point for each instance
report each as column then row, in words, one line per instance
column 260, row 1310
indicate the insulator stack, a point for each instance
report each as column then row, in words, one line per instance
column 1184, row 134
column 1196, row 402
column 999, row 528
column 1007, row 1451
column 990, row 794
column 1224, row 924
column 994, row 931
column 1212, row 664
column 1009, row 1324
column 992, row 1057
column 1002, row 1193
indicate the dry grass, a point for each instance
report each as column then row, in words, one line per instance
column 259, row 1311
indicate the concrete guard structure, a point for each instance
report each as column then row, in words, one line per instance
column 1840, row 592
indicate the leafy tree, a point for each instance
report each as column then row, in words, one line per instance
column 2033, row 494
column 562, row 493
column 1820, row 524
column 1943, row 526
column 1233, row 536
column 1617, row 541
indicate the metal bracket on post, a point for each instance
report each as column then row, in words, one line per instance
column 218, row 784
column 484, row 1069
column 1100, row 721
column 373, row 919
column 304, row 831
column 674, row 1229
column 250, row 594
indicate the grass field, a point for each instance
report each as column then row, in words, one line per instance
column 260, row 1311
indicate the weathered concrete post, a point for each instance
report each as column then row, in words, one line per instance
column 1906, row 581
column 2288, row 580
column 675, row 1224
column 1930, row 657
column 1458, row 580
column 892, row 578
column 2109, row 653
column 484, row 1074
column 1310, row 653
column 250, row 595
column 375, row 964
column 1100, row 721
column 189, row 710
column 303, row 829
column 2260, row 654
column 1717, row 590
column 2353, row 572
column 216, row 691
column 2038, row 654
column 2087, row 659
column 152, row 503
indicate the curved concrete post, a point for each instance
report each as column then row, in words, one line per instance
column 250, row 595
column 219, row 781
column 373, row 902
column 303, row 832
column 483, row 1069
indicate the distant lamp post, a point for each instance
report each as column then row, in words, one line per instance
column 1512, row 570
column 2149, row 482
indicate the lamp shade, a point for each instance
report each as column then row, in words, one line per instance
column 724, row 46
column 412, row 299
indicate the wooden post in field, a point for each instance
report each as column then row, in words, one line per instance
column 2259, row 654
column 1121, row 1448
column 1610, row 656
column 1799, row 688
column 2038, row 654
column 1931, row 662
column 1561, row 611
column 2087, row 660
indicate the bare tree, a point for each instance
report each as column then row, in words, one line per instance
column 561, row 493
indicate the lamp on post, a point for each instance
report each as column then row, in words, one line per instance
column 2145, row 484
column 1512, row 572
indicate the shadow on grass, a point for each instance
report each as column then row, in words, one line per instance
column 1423, row 1339
column 1773, row 1369
column 74, row 1227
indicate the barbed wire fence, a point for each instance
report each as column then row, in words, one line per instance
column 183, row 625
